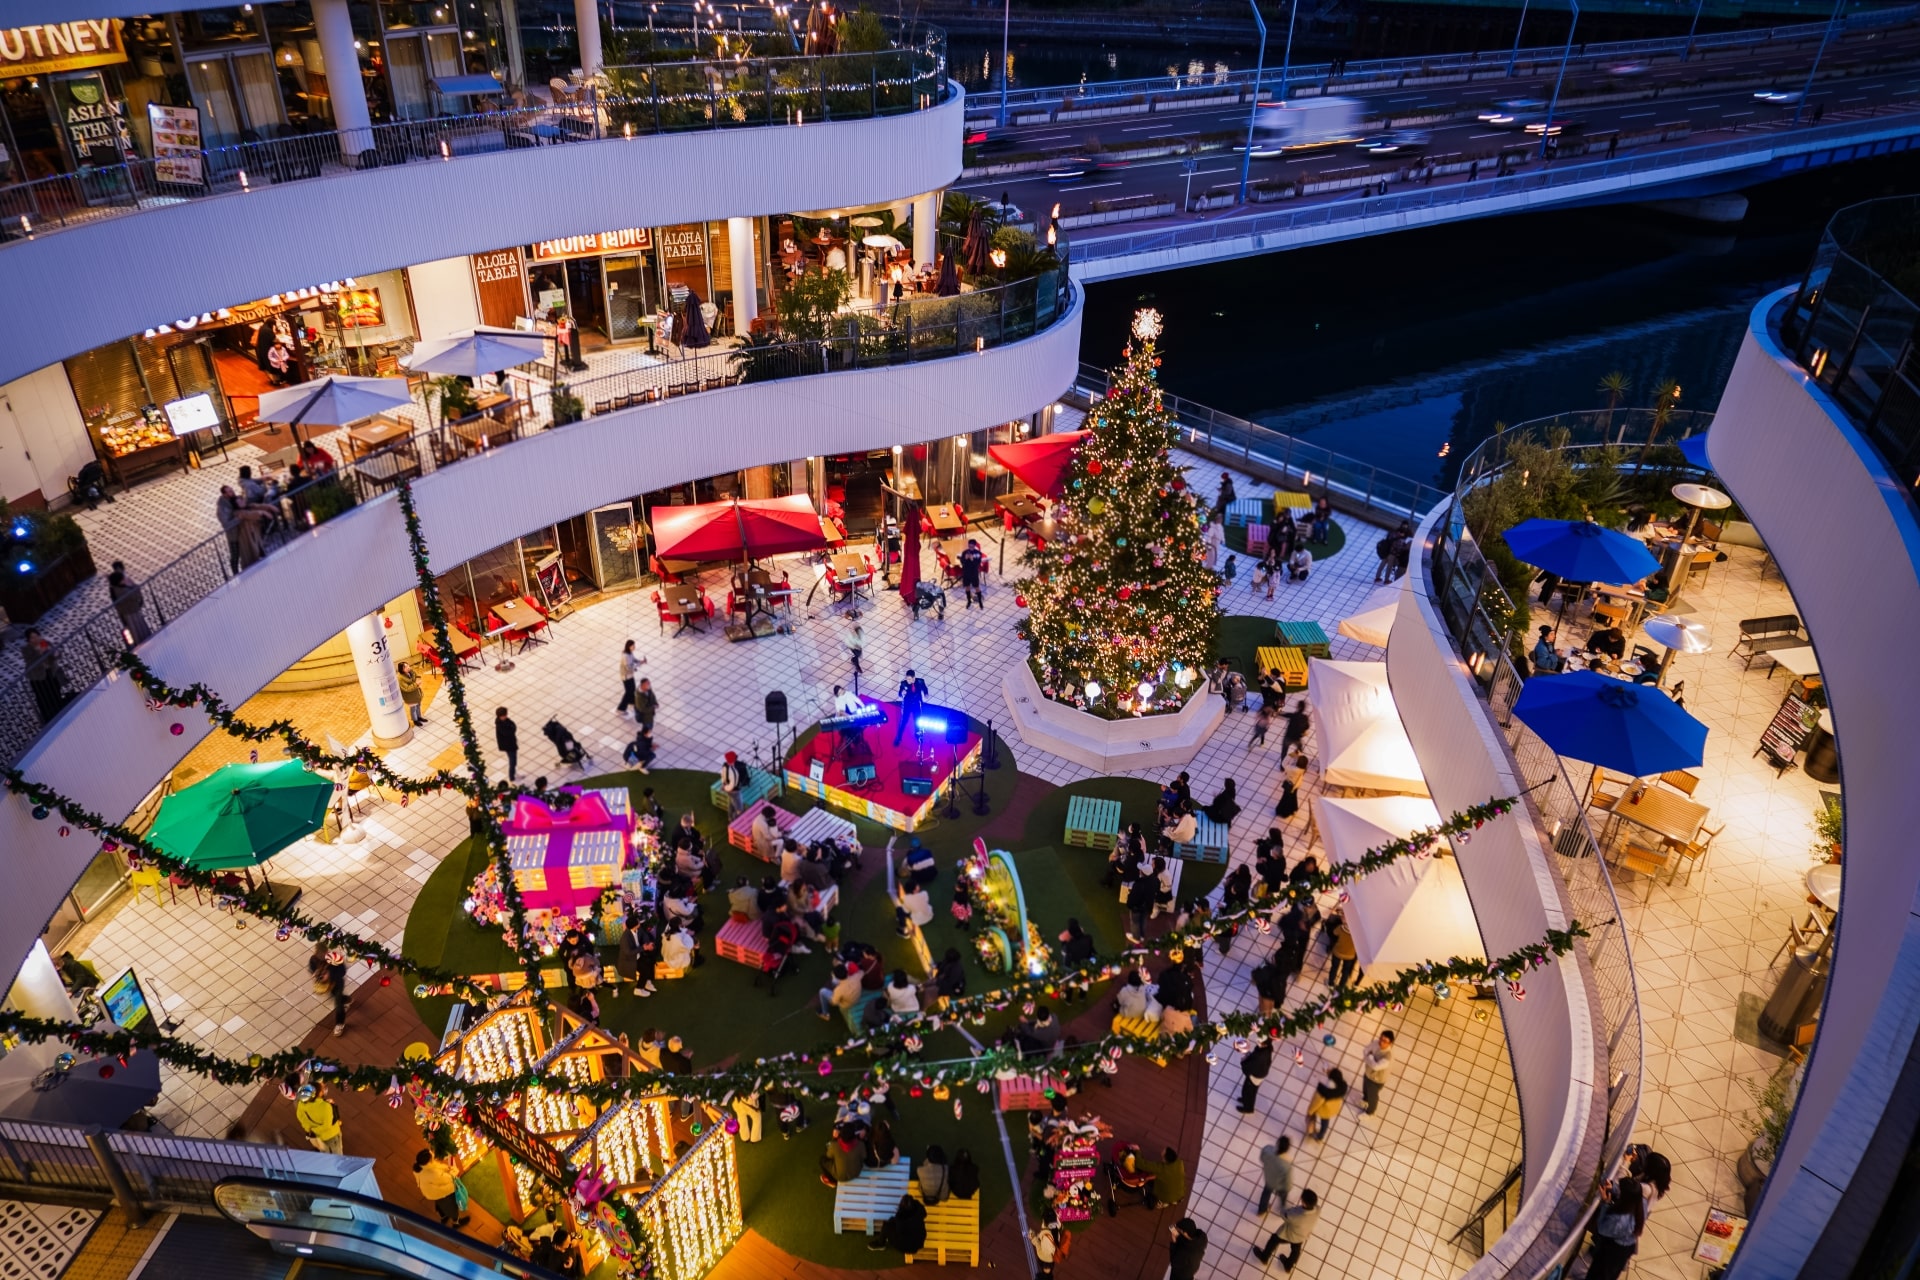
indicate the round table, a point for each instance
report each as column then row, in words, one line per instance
column 1823, row 882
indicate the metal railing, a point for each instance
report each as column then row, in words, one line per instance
column 668, row 97
column 1361, row 75
column 909, row 332
column 1854, row 322
column 1470, row 599
column 1370, row 490
column 1896, row 122
column 146, row 1172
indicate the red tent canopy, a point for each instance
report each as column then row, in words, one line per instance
column 730, row 530
column 1041, row 463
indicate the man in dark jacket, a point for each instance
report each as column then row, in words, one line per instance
column 1253, row 1073
column 506, row 736
column 972, row 561
column 1188, row 1251
column 906, row 1231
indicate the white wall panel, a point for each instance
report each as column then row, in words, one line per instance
column 50, row 425
column 444, row 302
column 255, row 626
column 1847, row 541
column 160, row 264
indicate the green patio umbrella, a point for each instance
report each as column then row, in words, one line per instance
column 241, row 814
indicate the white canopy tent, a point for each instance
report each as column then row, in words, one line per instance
column 1413, row 911
column 1362, row 743
column 1374, row 623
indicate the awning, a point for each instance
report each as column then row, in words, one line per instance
column 466, row 86
column 1041, row 464
column 1408, row 913
column 731, row 530
column 1362, row 743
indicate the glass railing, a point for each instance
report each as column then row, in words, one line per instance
column 325, row 1223
column 1853, row 325
column 666, row 97
column 908, row 332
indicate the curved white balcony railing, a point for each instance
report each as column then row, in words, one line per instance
column 181, row 257
column 106, row 749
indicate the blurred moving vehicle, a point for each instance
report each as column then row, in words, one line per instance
column 1779, row 97
column 1310, row 122
column 1508, row 111
column 1397, row 142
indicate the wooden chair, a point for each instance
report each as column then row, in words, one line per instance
column 1598, row 797
column 1813, row 933
column 1695, row 850
column 1643, row 861
column 1680, row 780
column 1611, row 612
column 1702, row 564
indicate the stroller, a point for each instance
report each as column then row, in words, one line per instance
column 929, row 598
column 571, row 752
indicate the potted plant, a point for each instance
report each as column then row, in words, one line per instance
column 1828, row 825
column 45, row 557
column 1767, row 1124
column 567, row 407
column 456, row 397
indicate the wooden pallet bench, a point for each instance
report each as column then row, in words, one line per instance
column 1209, row 843
column 741, row 941
column 760, row 785
column 1025, row 1093
column 1258, row 538
column 1309, row 638
column 822, row 823
column 1144, row 1028
column 953, row 1226
column 740, row 830
column 871, row 1198
column 1093, row 823
column 1245, row 511
column 1289, row 662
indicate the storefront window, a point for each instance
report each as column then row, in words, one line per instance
column 631, row 294
column 213, row 93
column 35, row 143
column 99, row 881
column 413, row 62
column 234, row 24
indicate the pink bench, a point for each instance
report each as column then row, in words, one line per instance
column 1026, row 1093
column 742, row 941
column 740, row 830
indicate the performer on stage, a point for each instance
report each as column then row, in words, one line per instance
column 913, row 692
column 846, row 704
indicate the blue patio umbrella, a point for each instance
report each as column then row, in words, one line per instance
column 1695, row 449
column 1629, row 728
column 1581, row 551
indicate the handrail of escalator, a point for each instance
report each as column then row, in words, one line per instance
column 378, row 1232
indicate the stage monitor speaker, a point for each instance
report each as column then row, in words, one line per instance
column 859, row 775
column 915, row 781
column 776, row 707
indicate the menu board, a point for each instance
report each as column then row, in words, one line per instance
column 1719, row 1237
column 126, row 1003
column 176, row 144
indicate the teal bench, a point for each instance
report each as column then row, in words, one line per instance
column 760, row 785
column 1209, row 843
column 1308, row 637
column 1093, row 823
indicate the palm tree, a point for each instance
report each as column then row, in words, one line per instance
column 1614, row 386
column 1666, row 397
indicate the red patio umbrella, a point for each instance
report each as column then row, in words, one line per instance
column 1041, row 463
column 910, row 551
column 733, row 530
column 780, row 526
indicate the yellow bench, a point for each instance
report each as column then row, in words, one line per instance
column 1291, row 663
column 1144, row 1028
column 953, row 1226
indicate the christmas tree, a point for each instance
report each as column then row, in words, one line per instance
column 1122, row 609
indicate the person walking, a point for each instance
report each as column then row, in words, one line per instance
column 129, row 602
column 328, row 969
column 1253, row 1074
column 410, row 691
column 1297, row 1222
column 1329, row 1096
column 439, row 1187
column 646, row 705
column 629, row 671
column 506, row 736
column 1276, row 1173
column 1262, row 721
column 855, row 640
column 1376, row 1066
column 43, row 673
column 1384, row 550
column 1298, row 722
column 972, row 562
column 319, row 1119
column 1345, row 959
column 1188, row 1251
column 1225, row 497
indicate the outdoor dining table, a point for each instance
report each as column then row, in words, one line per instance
column 1823, row 882
column 951, row 548
column 493, row 400
column 522, row 617
column 684, row 602
column 483, row 433
column 946, row 518
column 1041, row 531
column 852, row 569
column 1800, row 660
column 1021, row 506
column 372, row 435
column 1667, row 814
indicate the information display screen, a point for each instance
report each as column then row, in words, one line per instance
column 126, row 1002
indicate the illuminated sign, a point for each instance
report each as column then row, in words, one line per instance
column 60, row 46
column 596, row 242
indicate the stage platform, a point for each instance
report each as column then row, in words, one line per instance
column 883, row 800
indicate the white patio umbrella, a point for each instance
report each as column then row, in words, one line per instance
column 881, row 242
column 1374, row 623
column 333, row 401
column 479, row 351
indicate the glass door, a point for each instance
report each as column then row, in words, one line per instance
column 586, row 296
column 212, row 81
column 629, row 296
column 414, row 60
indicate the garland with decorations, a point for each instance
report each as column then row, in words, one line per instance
column 811, row 1075
column 259, row 903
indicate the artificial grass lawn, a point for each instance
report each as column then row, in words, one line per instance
column 1237, row 543
column 723, row 1017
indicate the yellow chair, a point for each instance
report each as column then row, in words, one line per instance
column 1644, row 861
column 1680, row 780
column 148, row 876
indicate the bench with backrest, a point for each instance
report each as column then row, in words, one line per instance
column 740, row 830
column 953, row 1226
column 760, row 785
column 1209, row 843
column 870, row 1199
column 1763, row 635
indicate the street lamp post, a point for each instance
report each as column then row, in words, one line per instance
column 1825, row 36
column 1515, row 55
column 1686, row 55
column 1006, row 25
column 1546, row 129
column 1253, row 114
column 1286, row 57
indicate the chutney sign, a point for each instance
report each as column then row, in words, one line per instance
column 60, row 46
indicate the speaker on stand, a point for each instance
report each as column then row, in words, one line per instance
column 777, row 716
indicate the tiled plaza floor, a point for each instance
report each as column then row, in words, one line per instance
column 1395, row 1185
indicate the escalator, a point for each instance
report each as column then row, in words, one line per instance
column 327, row 1225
